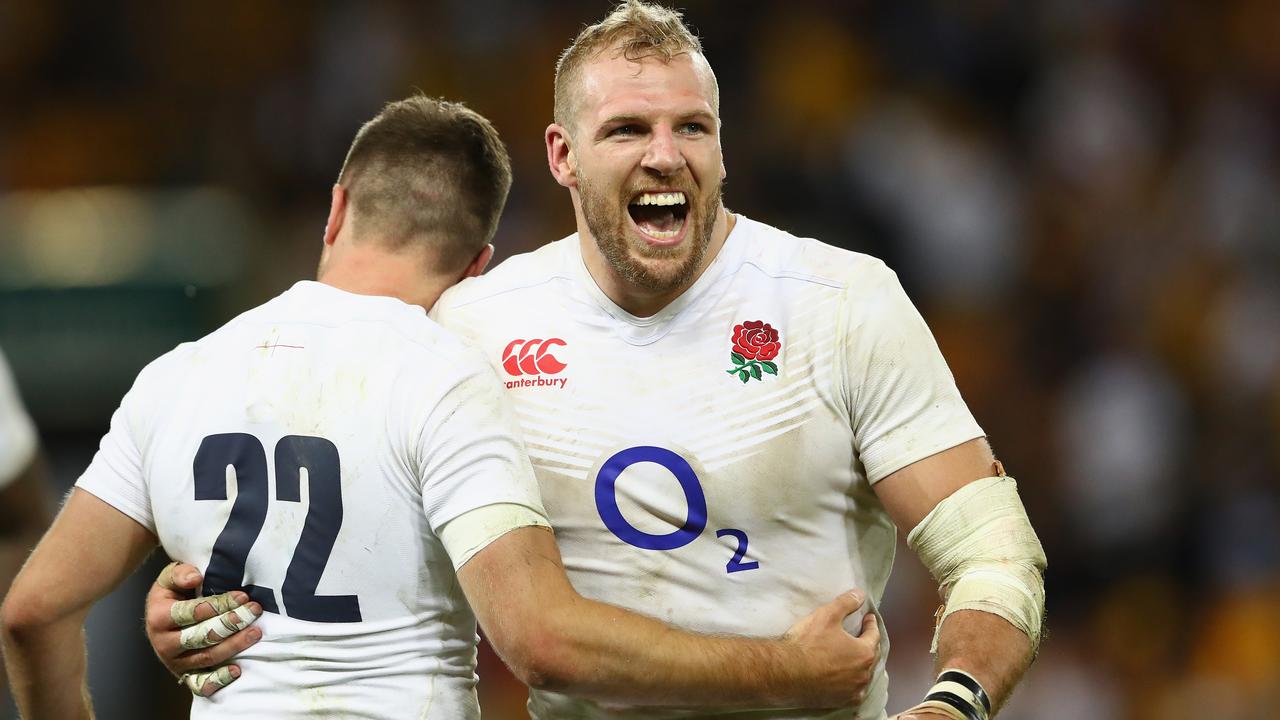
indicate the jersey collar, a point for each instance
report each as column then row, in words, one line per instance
column 645, row 330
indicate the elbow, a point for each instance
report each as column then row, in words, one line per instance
column 542, row 660
column 22, row 619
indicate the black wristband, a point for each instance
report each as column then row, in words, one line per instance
column 973, row 685
column 955, row 701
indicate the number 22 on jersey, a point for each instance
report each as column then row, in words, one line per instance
column 324, row 518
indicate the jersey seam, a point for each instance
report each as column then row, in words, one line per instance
column 504, row 291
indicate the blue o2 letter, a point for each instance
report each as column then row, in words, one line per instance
column 607, row 498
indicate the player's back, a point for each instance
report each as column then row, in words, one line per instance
column 283, row 454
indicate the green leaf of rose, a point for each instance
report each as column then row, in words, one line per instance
column 743, row 374
column 755, row 371
column 737, row 359
column 769, row 367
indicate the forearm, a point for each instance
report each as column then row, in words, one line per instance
column 45, row 661
column 597, row 650
column 987, row 647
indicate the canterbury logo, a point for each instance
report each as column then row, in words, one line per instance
column 532, row 357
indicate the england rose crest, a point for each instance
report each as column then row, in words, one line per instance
column 755, row 345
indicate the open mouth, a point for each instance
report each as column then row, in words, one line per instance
column 660, row 215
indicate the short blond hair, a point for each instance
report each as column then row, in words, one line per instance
column 640, row 29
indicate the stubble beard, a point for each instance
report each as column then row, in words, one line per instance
column 638, row 264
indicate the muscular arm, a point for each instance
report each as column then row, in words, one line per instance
column 23, row 516
column 982, row 644
column 554, row 639
column 90, row 549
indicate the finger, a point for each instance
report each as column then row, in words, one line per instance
column 216, row 655
column 870, row 629
column 179, row 576
column 206, row 683
column 189, row 612
column 847, row 603
column 216, row 629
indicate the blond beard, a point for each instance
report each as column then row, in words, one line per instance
column 613, row 236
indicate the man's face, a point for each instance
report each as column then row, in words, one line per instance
column 649, row 165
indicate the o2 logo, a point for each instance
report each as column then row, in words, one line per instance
column 695, row 522
column 532, row 357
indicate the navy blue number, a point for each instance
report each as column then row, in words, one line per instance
column 736, row 564
column 320, row 529
column 324, row 518
column 695, row 522
column 231, row 549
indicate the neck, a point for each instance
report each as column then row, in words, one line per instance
column 640, row 301
column 367, row 270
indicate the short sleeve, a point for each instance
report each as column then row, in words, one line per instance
column 469, row 451
column 903, row 400
column 17, row 431
column 116, row 474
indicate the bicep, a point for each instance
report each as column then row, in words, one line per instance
column 909, row 494
column 90, row 548
column 513, row 582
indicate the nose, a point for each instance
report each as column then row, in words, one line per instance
column 663, row 155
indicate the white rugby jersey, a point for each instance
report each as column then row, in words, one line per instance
column 712, row 465
column 17, row 431
column 308, row 451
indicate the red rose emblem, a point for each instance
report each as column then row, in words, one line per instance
column 755, row 345
column 756, row 340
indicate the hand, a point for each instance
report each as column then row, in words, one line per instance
column 923, row 714
column 843, row 664
column 188, row 634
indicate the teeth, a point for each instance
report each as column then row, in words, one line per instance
column 668, row 198
column 662, row 234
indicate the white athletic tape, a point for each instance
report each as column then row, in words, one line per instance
column 218, row 677
column 472, row 531
column 221, row 627
column 982, row 550
column 183, row 612
column 939, row 707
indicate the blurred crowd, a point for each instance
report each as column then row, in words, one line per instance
column 1082, row 197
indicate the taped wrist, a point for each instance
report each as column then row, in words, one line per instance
column 980, row 547
column 960, row 695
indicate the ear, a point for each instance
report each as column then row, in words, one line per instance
column 560, row 157
column 337, row 214
column 479, row 262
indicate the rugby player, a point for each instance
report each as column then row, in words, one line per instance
column 351, row 478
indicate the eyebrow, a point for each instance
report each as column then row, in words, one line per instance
column 628, row 119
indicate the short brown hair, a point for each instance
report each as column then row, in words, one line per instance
column 642, row 29
column 429, row 172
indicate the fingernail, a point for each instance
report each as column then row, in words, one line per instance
column 254, row 633
column 187, row 577
column 255, row 608
column 234, row 670
column 855, row 595
column 240, row 598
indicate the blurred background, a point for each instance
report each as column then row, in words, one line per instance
column 1082, row 196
